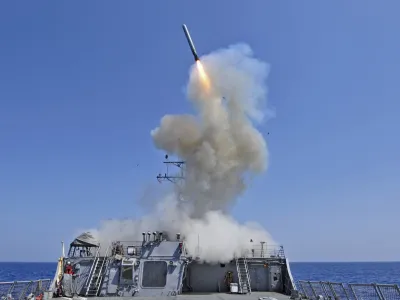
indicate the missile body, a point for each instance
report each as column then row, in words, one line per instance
column 189, row 39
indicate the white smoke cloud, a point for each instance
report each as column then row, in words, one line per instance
column 221, row 147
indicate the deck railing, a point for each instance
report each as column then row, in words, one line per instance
column 256, row 250
column 265, row 251
column 19, row 290
column 350, row 291
column 124, row 247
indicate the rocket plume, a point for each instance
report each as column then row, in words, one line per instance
column 203, row 76
column 221, row 147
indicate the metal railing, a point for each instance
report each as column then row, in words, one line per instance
column 257, row 250
column 124, row 248
column 350, row 291
column 22, row 289
column 92, row 268
column 265, row 251
column 102, row 270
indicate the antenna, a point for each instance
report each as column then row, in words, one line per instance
column 175, row 177
column 198, row 247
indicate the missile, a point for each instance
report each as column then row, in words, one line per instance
column 189, row 39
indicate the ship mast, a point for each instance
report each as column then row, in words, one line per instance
column 172, row 174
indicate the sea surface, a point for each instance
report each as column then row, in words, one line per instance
column 357, row 272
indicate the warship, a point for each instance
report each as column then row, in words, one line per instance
column 159, row 265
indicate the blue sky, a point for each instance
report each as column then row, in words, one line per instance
column 82, row 85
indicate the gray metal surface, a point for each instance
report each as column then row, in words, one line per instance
column 83, row 267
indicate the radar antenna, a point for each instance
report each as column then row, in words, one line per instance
column 175, row 178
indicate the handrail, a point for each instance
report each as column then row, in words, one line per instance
column 254, row 250
column 349, row 291
column 248, row 274
column 100, row 278
column 239, row 277
column 92, row 267
column 20, row 289
column 265, row 251
column 23, row 281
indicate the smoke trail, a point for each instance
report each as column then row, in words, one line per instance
column 221, row 147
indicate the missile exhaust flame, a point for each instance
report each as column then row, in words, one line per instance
column 203, row 75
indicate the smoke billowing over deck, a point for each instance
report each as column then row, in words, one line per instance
column 221, row 147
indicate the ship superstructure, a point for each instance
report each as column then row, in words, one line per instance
column 159, row 265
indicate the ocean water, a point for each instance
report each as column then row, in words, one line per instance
column 359, row 272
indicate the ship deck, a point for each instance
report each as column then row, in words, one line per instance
column 195, row 296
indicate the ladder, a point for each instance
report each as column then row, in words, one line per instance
column 243, row 275
column 96, row 276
